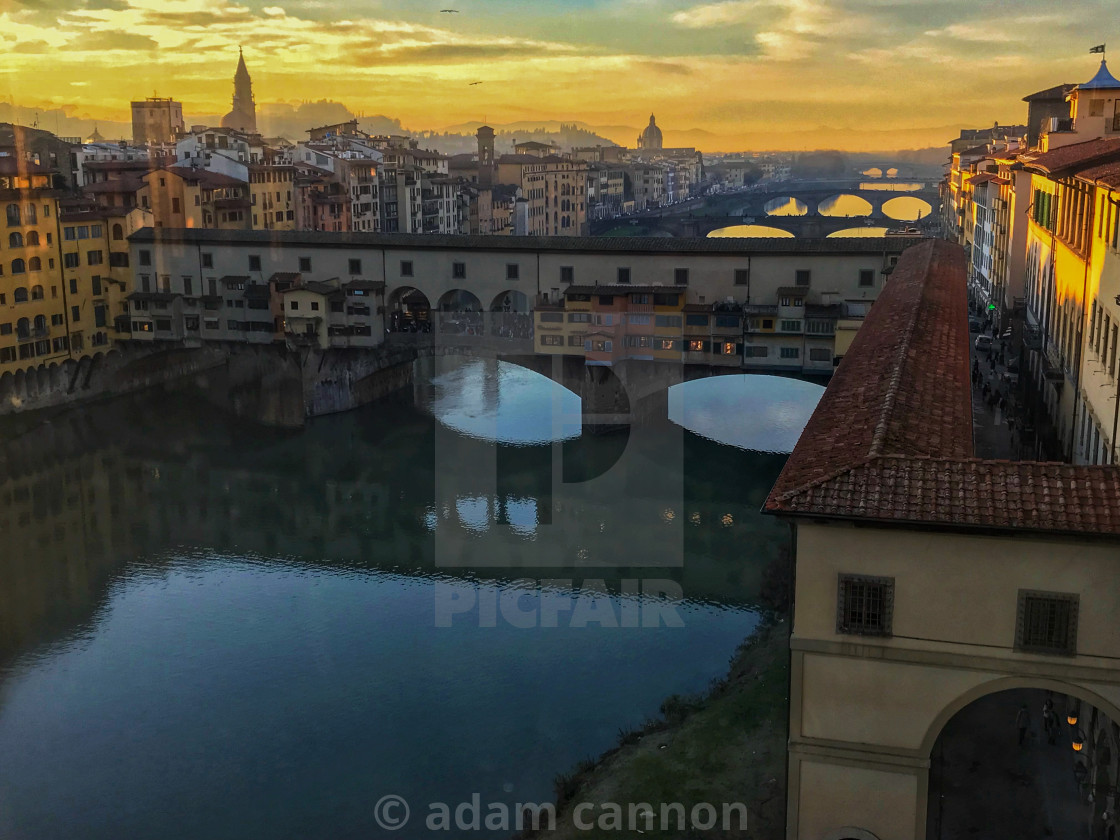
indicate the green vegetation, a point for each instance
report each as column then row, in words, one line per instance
column 726, row 746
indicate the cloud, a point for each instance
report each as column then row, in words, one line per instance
column 31, row 47
column 107, row 39
column 715, row 14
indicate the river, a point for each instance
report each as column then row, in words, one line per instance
column 209, row 629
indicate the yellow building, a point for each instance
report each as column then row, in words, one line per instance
column 556, row 189
column 184, row 197
column 272, row 196
column 34, row 312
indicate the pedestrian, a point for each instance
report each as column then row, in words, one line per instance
column 1002, row 403
column 1049, row 721
column 1022, row 722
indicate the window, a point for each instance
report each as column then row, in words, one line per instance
column 71, row 260
column 93, row 258
column 95, row 284
column 145, row 257
column 305, row 263
column 803, row 276
column 606, row 300
column 552, row 317
column 513, row 271
column 207, row 260
column 742, row 277
column 458, row 270
column 579, row 317
column 75, row 314
column 355, row 266
column 175, row 205
column 791, row 353
column 188, row 286
column 696, row 320
column 664, row 299
column 294, row 305
column 1046, row 622
column 639, row 320
column 118, row 232
column 406, row 268
column 552, row 341
column 68, row 234
column 254, row 262
column 865, row 605
column 18, row 267
column 118, row 259
column 624, row 275
column 12, row 212
column 820, row 354
column 866, row 278
column 15, row 240
column 667, row 321
column 34, row 264
column 314, row 306
column 99, row 316
column 83, row 231
column 791, row 326
column 727, row 321
column 680, row 276
column 567, row 274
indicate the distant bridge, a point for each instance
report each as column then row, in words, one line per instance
column 691, row 220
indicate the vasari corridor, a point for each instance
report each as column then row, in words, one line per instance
column 581, row 419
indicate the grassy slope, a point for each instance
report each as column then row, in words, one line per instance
column 729, row 746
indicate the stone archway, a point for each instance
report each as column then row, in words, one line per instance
column 408, row 310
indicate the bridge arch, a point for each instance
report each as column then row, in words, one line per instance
column 408, row 310
column 785, row 205
column 902, row 207
column 830, row 206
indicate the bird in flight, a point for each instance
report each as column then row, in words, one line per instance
column 449, row 11
column 472, row 84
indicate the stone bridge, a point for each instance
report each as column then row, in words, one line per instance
column 813, row 196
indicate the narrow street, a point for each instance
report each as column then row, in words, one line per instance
column 985, row 786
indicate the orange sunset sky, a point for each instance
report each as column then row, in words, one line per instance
column 751, row 74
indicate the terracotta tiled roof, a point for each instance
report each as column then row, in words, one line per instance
column 891, row 440
column 1089, row 153
column 1107, row 174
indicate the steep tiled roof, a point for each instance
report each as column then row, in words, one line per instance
column 1074, row 155
column 891, row 440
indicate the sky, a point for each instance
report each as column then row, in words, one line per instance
column 736, row 74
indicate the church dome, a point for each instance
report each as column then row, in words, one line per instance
column 651, row 137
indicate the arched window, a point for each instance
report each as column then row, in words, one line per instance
column 36, row 292
column 34, row 264
column 15, row 240
column 23, row 328
column 18, row 267
column 12, row 213
column 40, row 323
column 20, row 295
column 118, row 232
column 32, row 239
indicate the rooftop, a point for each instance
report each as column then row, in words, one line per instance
column 1074, row 155
column 848, row 246
column 1103, row 80
column 891, row 439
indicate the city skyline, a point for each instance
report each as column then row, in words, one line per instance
column 849, row 74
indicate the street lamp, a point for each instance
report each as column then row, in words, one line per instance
column 1071, row 718
column 1078, row 742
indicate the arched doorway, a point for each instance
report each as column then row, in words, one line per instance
column 998, row 769
column 409, row 311
column 459, row 313
column 510, row 316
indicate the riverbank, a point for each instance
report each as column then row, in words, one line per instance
column 726, row 746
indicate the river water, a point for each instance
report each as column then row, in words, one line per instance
column 208, row 629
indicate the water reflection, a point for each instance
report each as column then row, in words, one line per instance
column 236, row 628
column 845, row 205
column 906, row 208
column 786, row 207
column 858, row 232
column 760, row 413
column 497, row 401
column 750, row 230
